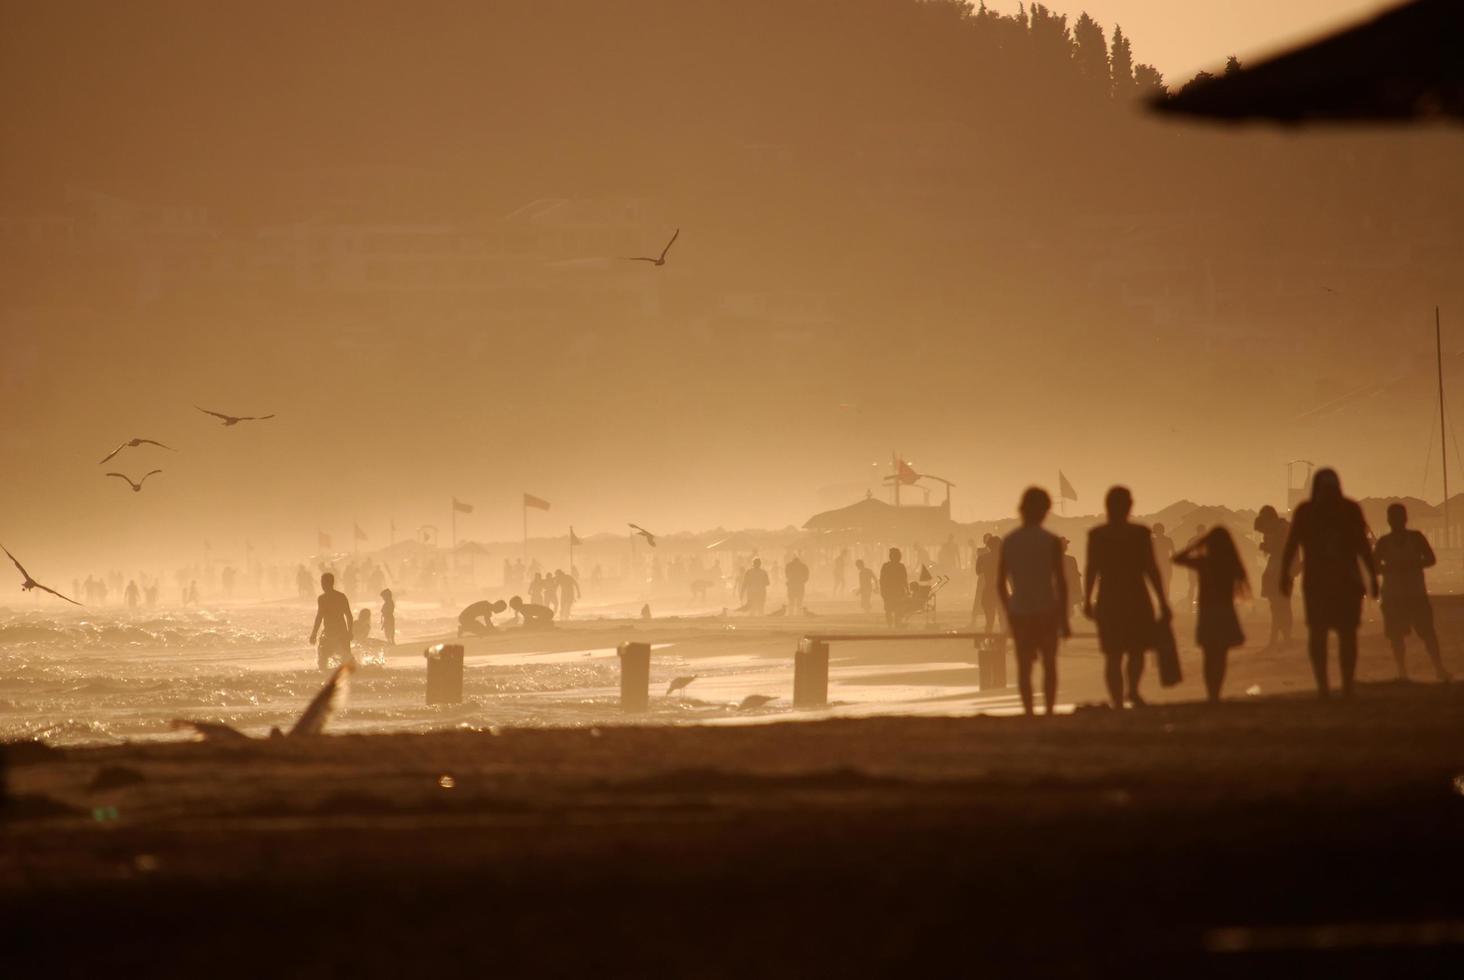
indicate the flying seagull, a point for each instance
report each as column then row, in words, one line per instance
column 330, row 699
column 755, row 701
column 650, row 538
column 134, row 443
column 136, row 487
column 31, row 583
column 235, row 419
column 661, row 259
column 679, row 683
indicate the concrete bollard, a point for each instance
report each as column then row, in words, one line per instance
column 444, row 674
column 991, row 672
column 811, row 674
column 635, row 676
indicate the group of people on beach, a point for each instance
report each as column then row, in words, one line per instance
column 1327, row 539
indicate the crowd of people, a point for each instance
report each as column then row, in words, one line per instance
column 1125, row 589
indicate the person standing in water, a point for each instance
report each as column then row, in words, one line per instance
column 1222, row 580
column 1274, row 529
column 1330, row 533
column 567, row 585
column 867, row 582
column 795, row 574
column 894, row 588
column 753, row 589
column 333, row 624
column 1402, row 554
column 1036, row 605
column 1121, row 568
column 388, row 616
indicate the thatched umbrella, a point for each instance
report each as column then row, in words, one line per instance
column 1407, row 65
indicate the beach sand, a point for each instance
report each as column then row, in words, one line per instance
column 1273, row 834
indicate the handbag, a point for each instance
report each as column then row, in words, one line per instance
column 1166, row 651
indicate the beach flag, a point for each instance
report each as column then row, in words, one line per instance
column 538, row 503
column 459, row 507
column 1064, row 488
column 322, row 540
column 360, row 534
column 574, row 539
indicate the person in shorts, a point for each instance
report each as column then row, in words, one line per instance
column 1032, row 589
column 1402, row 554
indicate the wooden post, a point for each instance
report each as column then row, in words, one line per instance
column 444, row 673
column 635, row 676
column 811, row 674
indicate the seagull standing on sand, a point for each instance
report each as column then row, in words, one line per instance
column 136, row 487
column 134, row 443
column 31, row 583
column 235, row 419
column 679, row 683
column 659, row 260
column 650, row 538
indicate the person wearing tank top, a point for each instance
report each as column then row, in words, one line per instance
column 1032, row 589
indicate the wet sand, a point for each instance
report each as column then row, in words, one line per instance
column 1275, row 834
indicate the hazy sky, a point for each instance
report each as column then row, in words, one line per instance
column 1180, row 37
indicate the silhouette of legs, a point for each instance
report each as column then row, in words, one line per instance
column 1134, row 669
column 1316, row 650
column 1347, row 658
column 1049, row 679
column 1215, row 658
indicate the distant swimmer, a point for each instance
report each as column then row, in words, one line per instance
column 134, row 443
column 234, row 419
column 333, row 624
column 477, row 618
column 679, row 683
column 136, row 487
column 30, row 583
column 388, row 616
column 650, row 538
column 660, row 260
column 535, row 616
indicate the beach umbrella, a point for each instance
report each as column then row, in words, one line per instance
column 1406, row 65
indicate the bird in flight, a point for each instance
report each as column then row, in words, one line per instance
column 330, row 699
column 679, row 683
column 650, row 538
column 134, row 443
column 31, row 583
column 660, row 260
column 235, row 419
column 136, row 487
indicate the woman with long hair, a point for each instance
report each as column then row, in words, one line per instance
column 1217, row 563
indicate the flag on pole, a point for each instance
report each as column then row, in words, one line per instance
column 359, row 534
column 538, row 503
column 1064, row 488
column 460, row 507
column 574, row 539
column 905, row 473
column 322, row 540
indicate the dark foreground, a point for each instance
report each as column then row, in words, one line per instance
column 1269, row 837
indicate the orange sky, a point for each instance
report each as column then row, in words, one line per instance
column 1180, row 37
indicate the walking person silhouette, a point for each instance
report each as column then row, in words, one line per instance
column 1274, row 530
column 1222, row 579
column 1121, row 568
column 1402, row 554
column 1036, row 605
column 1331, row 534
